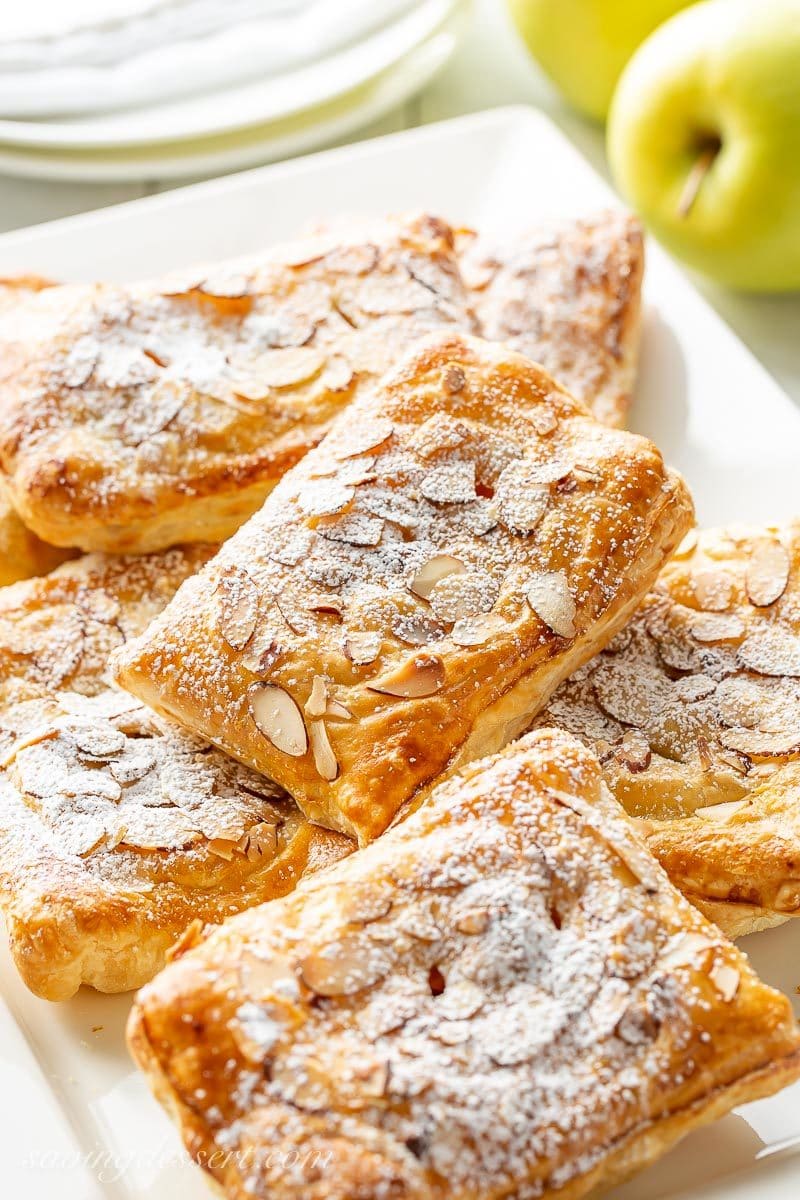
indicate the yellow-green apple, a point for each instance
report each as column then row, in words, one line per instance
column 584, row 44
column 704, row 139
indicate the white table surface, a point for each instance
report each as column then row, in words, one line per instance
column 490, row 68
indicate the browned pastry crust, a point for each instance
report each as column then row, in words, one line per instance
column 22, row 553
column 135, row 417
column 504, row 996
column 464, row 538
column 116, row 828
column 569, row 296
column 694, row 709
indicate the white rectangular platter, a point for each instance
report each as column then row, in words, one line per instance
column 77, row 1121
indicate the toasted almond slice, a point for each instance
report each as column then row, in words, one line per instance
column 335, row 708
column 324, row 758
column 771, row 650
column 713, row 589
column 475, row 920
column 685, row 949
column 225, row 286
column 463, row 594
column 317, row 701
column 279, row 718
column 327, row 604
column 450, row 483
column 454, row 379
column 725, row 979
column 345, row 966
column 287, row 366
column 417, row 628
column 548, row 594
column 366, row 436
column 522, row 502
column 716, row 627
column 338, row 374
column 323, row 497
column 223, row 848
column 362, row 647
column 262, row 841
column 634, row 751
column 767, row 573
column 758, row 745
column 429, row 574
column 238, row 607
column 420, row 676
column 476, row 631
column 720, row 812
column 787, row 898
column 98, row 740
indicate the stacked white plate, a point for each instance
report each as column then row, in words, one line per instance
column 108, row 90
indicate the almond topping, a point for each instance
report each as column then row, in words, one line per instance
column 771, row 650
column 454, row 379
column 285, row 367
column 767, row 573
column 684, row 949
column 634, row 751
column 335, row 708
column 549, row 596
column 713, row 590
column 324, row 758
column 317, row 701
column 366, row 436
column 278, row 717
column 756, row 744
column 476, row 631
column 716, row 627
column 463, row 594
column 432, row 571
column 720, row 812
column 725, row 979
column 687, row 545
column 521, row 500
column 420, row 676
column 474, row 921
column 238, row 607
column 344, row 967
column 362, row 648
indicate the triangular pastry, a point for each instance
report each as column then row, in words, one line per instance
column 416, row 587
column 504, row 996
column 694, row 709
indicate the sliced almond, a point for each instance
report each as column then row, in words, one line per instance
column 725, row 979
column 713, row 589
column 716, row 627
column 476, row 631
column 548, row 594
column 687, row 545
column 362, row 648
column 758, row 745
column 285, row 367
column 261, row 841
column 420, row 676
column 327, row 604
column 449, row 483
column 279, row 718
column 354, row 529
column 521, row 500
column 767, row 573
column 476, row 920
column 324, row 497
column 222, row 848
column 336, row 709
column 787, row 898
column 338, row 374
column 317, row 701
column 365, row 436
column 432, row 571
column 417, row 628
column 324, row 757
column 771, row 650
column 345, row 966
column 454, row 379
column 463, row 594
column 720, row 812
column 238, row 607
column 634, row 751
column 685, row 949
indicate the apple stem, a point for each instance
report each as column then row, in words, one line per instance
column 694, row 180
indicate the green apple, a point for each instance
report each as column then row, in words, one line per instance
column 584, row 44
column 704, row 139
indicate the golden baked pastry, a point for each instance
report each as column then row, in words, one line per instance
column 569, row 296
column 694, row 709
column 504, row 996
column 116, row 828
column 135, row 417
column 416, row 587
column 22, row 553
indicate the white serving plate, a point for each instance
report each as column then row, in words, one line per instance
column 77, row 1120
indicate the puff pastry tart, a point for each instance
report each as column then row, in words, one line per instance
column 502, row 996
column 116, row 828
column 136, row 417
column 569, row 296
column 694, row 710
column 413, row 591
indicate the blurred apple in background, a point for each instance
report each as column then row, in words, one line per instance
column 704, row 139
column 584, row 44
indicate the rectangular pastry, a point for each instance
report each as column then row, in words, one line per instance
column 568, row 295
column 416, row 587
column 694, row 709
column 134, row 417
column 504, row 996
column 117, row 830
